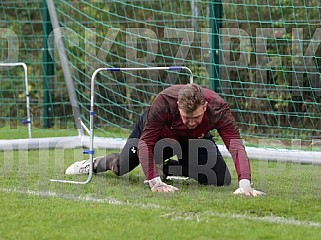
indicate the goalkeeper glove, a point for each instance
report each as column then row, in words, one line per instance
column 157, row 185
column 246, row 189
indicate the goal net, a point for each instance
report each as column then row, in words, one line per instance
column 263, row 58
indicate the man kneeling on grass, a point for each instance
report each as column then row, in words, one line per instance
column 179, row 122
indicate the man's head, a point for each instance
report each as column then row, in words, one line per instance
column 191, row 105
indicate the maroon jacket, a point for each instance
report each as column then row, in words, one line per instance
column 164, row 121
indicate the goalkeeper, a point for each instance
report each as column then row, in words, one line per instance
column 178, row 123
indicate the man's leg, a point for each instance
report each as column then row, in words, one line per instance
column 165, row 165
column 218, row 174
column 127, row 160
column 104, row 163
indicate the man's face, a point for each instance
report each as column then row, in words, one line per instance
column 193, row 119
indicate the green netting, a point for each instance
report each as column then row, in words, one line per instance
column 130, row 34
column 270, row 67
column 22, row 40
column 262, row 56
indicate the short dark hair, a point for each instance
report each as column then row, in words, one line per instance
column 190, row 97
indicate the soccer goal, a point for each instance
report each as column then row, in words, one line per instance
column 267, row 70
column 270, row 83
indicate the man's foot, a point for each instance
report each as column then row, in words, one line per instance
column 100, row 164
column 80, row 167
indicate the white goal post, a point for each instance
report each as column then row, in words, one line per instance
column 90, row 131
column 25, row 69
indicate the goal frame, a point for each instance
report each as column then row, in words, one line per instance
column 90, row 131
column 25, row 70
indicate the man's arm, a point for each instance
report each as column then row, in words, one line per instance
column 155, row 123
column 230, row 135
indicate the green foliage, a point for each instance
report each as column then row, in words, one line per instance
column 269, row 66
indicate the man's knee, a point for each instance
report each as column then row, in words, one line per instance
column 215, row 179
column 226, row 181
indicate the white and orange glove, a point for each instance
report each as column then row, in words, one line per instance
column 246, row 189
column 157, row 185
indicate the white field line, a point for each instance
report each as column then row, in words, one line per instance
column 173, row 215
column 85, row 198
column 203, row 217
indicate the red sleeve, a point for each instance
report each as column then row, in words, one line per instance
column 230, row 135
column 156, row 121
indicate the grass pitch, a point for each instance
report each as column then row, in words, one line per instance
column 113, row 207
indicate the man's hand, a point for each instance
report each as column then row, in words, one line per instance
column 246, row 189
column 157, row 185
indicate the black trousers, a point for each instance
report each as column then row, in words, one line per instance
column 197, row 158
